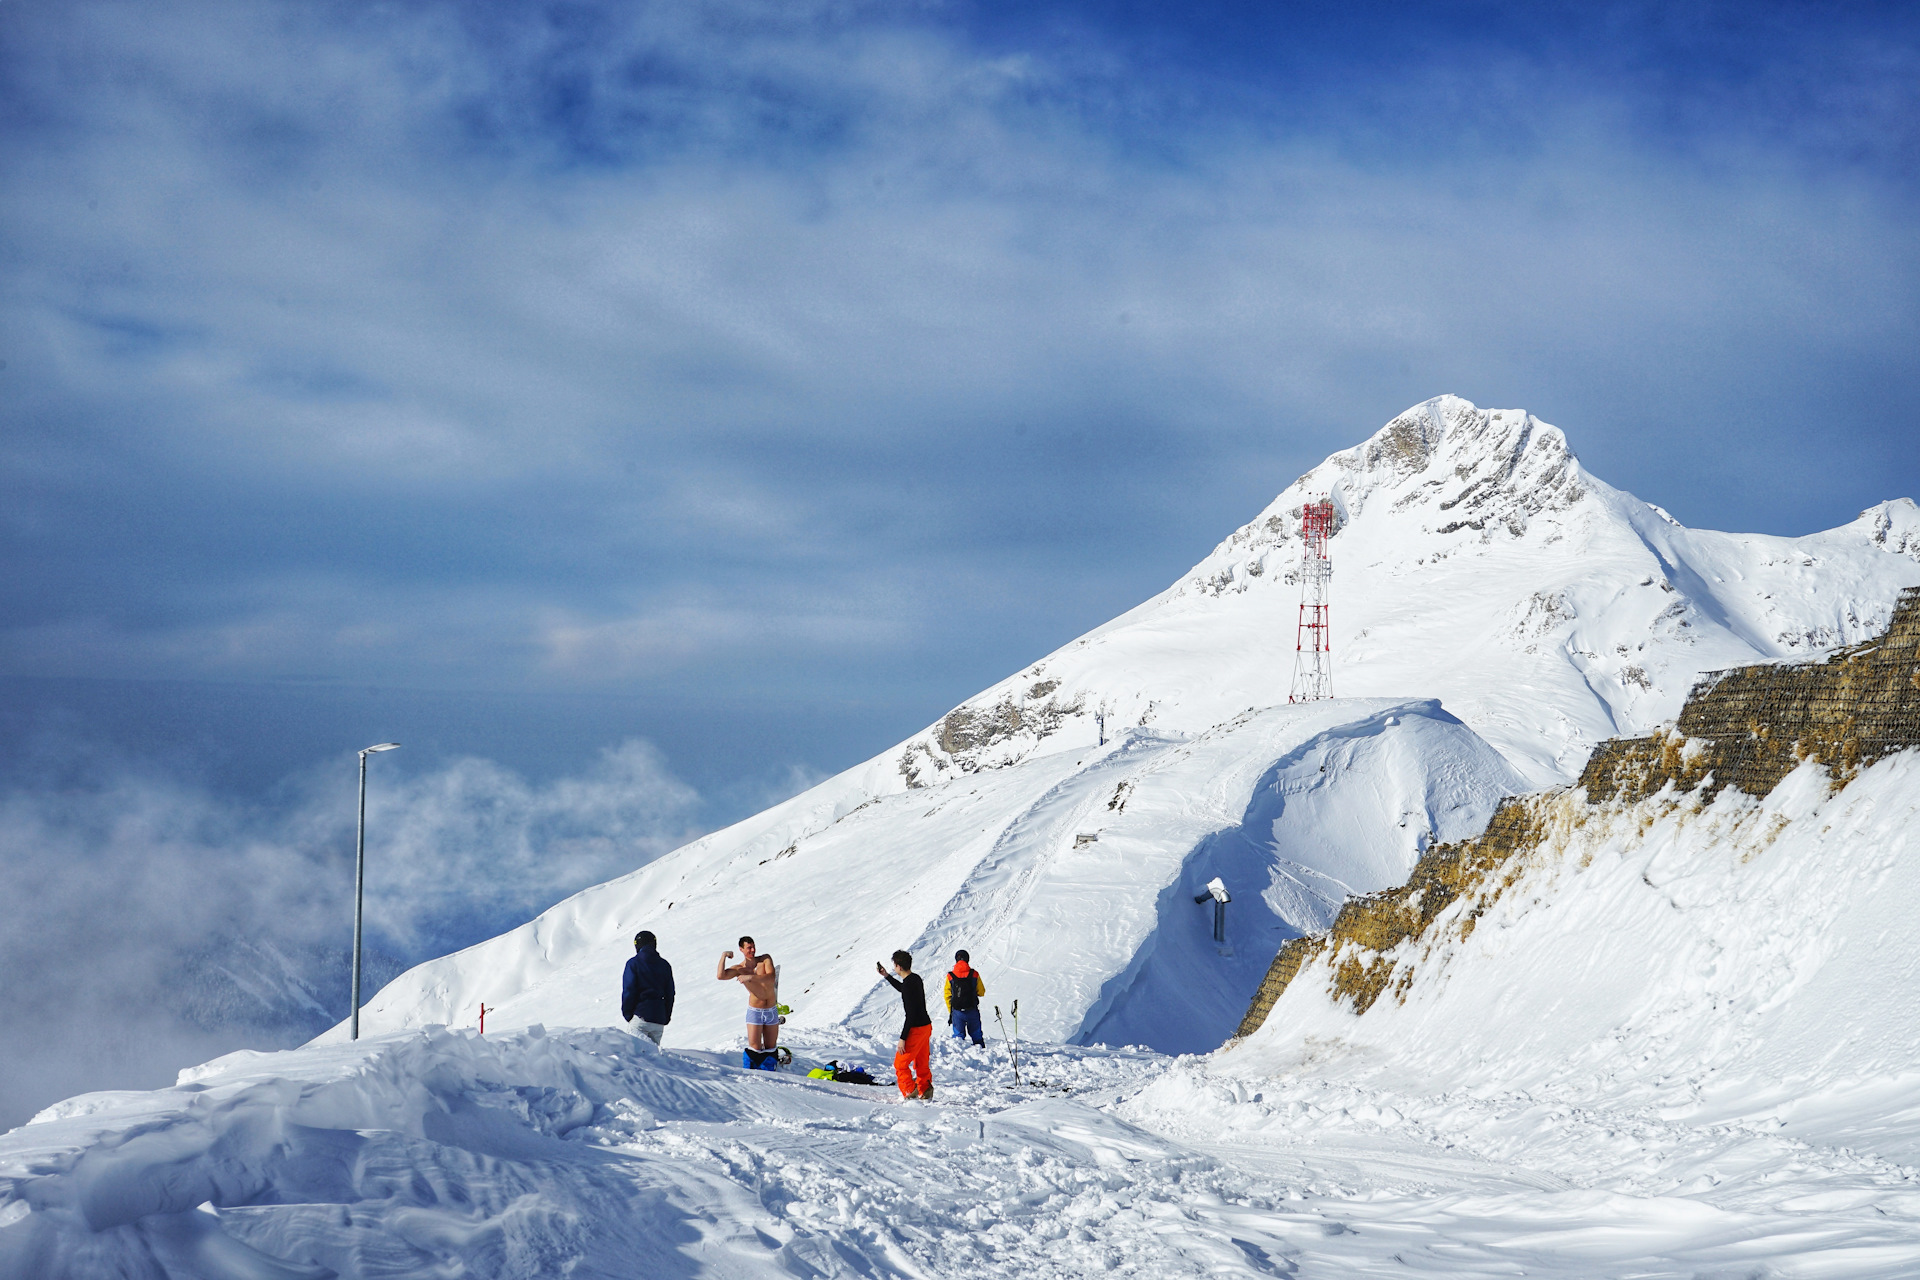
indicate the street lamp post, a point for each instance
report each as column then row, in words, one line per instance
column 360, row 876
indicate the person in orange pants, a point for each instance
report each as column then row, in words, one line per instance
column 911, row 1066
column 911, row 1069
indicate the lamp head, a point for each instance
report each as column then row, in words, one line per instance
column 379, row 746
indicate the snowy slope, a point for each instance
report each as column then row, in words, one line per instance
column 1294, row 806
column 1737, row 958
column 1475, row 561
column 589, row 1154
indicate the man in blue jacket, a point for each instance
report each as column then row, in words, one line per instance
column 646, row 991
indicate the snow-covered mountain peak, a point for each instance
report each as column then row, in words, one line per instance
column 1470, row 457
column 1448, row 463
column 1461, row 466
column 1474, row 557
column 1892, row 526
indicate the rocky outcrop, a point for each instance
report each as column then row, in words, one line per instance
column 1466, row 470
column 1893, row 526
column 1746, row 728
column 1752, row 726
column 1372, row 927
column 986, row 735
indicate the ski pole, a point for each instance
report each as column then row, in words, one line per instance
column 1010, row 1045
column 1016, row 1041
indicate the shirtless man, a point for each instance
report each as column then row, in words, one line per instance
column 755, row 973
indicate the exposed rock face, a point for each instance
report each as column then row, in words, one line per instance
column 965, row 735
column 1471, row 470
column 1371, row 926
column 1746, row 728
column 968, row 729
column 1752, row 726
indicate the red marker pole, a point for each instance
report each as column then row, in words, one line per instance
column 483, row 1019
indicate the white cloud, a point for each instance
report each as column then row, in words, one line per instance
column 124, row 899
column 675, row 636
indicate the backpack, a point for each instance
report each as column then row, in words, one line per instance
column 851, row 1074
column 966, row 991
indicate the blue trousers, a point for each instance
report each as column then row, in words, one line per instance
column 966, row 1022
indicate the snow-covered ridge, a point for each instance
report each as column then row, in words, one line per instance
column 1069, row 876
column 1475, row 560
column 1476, row 563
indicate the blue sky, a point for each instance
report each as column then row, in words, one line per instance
column 862, row 351
column 758, row 380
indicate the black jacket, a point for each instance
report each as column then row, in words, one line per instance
column 646, row 991
column 913, row 997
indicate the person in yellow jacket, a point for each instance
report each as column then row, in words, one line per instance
column 964, row 989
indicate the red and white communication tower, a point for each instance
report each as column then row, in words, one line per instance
column 1312, row 652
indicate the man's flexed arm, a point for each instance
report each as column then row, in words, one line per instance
column 725, row 973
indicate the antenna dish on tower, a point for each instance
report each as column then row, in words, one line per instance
column 1312, row 650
